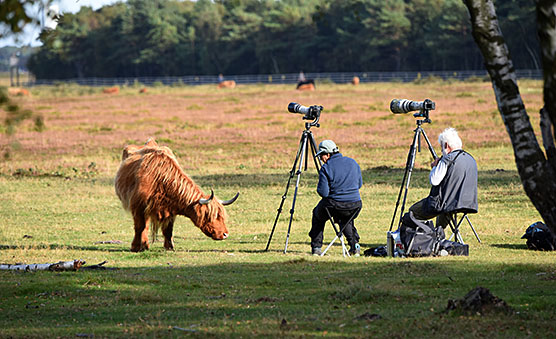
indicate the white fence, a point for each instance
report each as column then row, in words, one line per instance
column 290, row 78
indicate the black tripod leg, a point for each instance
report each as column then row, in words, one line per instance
column 303, row 152
column 407, row 176
column 429, row 144
column 292, row 172
column 313, row 145
column 401, row 187
column 411, row 165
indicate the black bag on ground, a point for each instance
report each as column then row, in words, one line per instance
column 539, row 237
column 419, row 237
column 452, row 247
column 379, row 251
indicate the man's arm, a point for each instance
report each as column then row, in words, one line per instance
column 360, row 175
column 323, row 189
column 438, row 172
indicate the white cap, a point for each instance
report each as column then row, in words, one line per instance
column 327, row 147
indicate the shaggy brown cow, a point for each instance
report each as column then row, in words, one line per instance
column 227, row 84
column 111, row 90
column 355, row 81
column 18, row 91
column 306, row 87
column 153, row 187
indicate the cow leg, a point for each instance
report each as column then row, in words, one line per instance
column 141, row 239
column 167, row 232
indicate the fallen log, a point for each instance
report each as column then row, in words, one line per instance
column 72, row 265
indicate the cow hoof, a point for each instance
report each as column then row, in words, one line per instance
column 141, row 248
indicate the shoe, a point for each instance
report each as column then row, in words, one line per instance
column 316, row 251
column 356, row 251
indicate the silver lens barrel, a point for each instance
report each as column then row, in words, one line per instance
column 400, row 106
column 294, row 107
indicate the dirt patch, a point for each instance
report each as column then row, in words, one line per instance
column 479, row 301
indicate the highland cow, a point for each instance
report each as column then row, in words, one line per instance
column 227, row 84
column 153, row 187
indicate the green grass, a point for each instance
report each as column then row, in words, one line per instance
column 56, row 206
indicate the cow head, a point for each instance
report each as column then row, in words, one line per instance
column 213, row 224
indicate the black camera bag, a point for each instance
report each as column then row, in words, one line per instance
column 539, row 237
column 419, row 237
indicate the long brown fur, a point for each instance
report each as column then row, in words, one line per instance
column 153, row 187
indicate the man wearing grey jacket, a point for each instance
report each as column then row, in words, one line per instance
column 454, row 182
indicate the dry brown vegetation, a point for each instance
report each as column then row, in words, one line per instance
column 250, row 126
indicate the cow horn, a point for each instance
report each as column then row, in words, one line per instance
column 231, row 201
column 206, row 201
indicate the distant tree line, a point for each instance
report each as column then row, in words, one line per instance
column 169, row 37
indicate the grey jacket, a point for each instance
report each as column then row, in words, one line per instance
column 458, row 189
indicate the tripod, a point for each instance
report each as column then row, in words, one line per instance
column 413, row 149
column 307, row 142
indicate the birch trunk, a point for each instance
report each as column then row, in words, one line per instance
column 72, row 265
column 537, row 174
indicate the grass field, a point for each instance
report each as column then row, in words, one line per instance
column 57, row 203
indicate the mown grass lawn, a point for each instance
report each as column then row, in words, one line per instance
column 57, row 202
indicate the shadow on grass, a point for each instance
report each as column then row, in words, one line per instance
column 285, row 296
column 511, row 246
column 382, row 175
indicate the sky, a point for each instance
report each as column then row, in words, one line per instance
column 30, row 34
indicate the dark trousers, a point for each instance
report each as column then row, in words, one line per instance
column 341, row 212
column 418, row 210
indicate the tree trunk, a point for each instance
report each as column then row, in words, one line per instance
column 546, row 27
column 537, row 174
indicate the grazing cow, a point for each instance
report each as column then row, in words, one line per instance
column 355, row 81
column 227, row 84
column 143, row 90
column 111, row 90
column 18, row 91
column 307, row 85
column 153, row 187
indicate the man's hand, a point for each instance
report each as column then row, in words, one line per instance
column 435, row 162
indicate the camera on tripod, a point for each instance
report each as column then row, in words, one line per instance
column 310, row 113
column 400, row 106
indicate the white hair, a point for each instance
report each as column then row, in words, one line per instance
column 450, row 136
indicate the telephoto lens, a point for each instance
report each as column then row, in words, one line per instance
column 400, row 106
column 294, row 107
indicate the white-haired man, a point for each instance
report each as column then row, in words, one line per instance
column 454, row 182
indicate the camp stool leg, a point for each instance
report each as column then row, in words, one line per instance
column 339, row 234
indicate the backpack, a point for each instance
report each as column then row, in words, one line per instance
column 420, row 238
column 539, row 237
column 452, row 248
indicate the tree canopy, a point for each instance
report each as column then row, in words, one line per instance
column 170, row 37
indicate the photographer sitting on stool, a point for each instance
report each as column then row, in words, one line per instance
column 339, row 183
column 454, row 181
